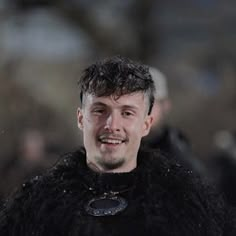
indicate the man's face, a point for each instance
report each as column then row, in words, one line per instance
column 112, row 130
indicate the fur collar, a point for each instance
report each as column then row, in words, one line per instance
column 163, row 197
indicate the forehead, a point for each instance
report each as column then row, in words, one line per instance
column 136, row 100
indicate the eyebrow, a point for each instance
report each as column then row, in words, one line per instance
column 130, row 107
column 99, row 104
column 123, row 106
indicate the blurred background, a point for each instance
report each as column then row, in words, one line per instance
column 45, row 44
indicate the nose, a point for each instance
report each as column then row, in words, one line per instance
column 113, row 122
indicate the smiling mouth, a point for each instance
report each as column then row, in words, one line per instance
column 109, row 140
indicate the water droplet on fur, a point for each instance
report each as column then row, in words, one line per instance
column 36, row 177
column 66, row 162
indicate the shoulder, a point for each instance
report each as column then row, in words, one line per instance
column 168, row 173
column 184, row 193
column 172, row 174
column 36, row 197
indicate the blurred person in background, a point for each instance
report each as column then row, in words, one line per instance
column 222, row 164
column 112, row 186
column 171, row 141
column 31, row 158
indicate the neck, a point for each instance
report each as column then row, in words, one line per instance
column 122, row 169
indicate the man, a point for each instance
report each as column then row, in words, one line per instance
column 171, row 141
column 222, row 164
column 111, row 186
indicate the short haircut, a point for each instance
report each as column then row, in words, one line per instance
column 117, row 76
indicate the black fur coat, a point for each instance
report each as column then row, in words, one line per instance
column 163, row 199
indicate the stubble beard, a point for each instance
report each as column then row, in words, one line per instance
column 109, row 165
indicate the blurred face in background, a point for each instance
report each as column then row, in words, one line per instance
column 160, row 110
column 112, row 130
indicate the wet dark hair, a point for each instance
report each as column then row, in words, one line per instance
column 117, row 76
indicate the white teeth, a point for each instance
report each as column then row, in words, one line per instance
column 113, row 141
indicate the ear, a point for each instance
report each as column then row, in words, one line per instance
column 80, row 118
column 147, row 125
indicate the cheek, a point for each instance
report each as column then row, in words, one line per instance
column 135, row 129
column 87, row 127
column 91, row 127
column 89, row 136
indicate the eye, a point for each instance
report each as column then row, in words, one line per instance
column 99, row 111
column 127, row 113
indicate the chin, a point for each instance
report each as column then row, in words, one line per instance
column 112, row 163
